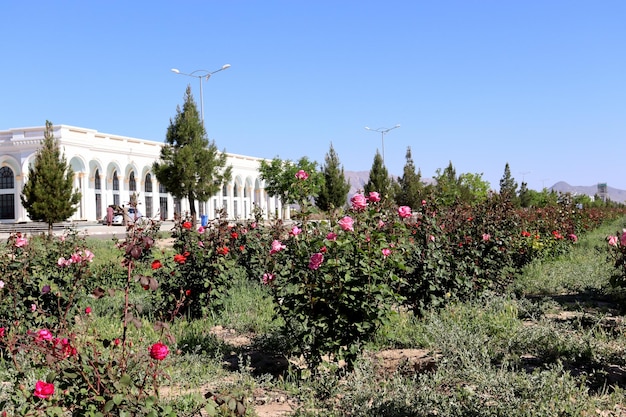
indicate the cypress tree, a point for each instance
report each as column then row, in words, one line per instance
column 190, row 166
column 48, row 194
column 410, row 187
column 334, row 190
column 379, row 178
column 508, row 186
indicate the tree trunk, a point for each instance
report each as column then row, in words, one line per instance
column 192, row 209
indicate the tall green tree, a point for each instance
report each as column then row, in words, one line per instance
column 190, row 165
column 281, row 180
column 508, row 186
column 474, row 189
column 49, row 193
column 379, row 179
column 334, row 189
column 448, row 186
column 409, row 186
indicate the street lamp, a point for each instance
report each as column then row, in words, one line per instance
column 383, row 131
column 201, row 75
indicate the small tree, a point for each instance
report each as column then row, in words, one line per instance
column 281, row 181
column 379, row 179
column 508, row 186
column 48, row 194
column 334, row 190
column 191, row 166
column 409, row 186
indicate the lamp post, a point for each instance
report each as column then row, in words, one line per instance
column 383, row 131
column 201, row 75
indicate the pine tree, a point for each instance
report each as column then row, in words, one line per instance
column 49, row 194
column 410, row 187
column 524, row 195
column 379, row 180
column 190, row 166
column 508, row 186
column 334, row 190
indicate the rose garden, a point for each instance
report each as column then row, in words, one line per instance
column 123, row 328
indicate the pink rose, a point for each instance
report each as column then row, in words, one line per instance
column 572, row 237
column 612, row 240
column 267, row 278
column 623, row 239
column 201, row 229
column 386, row 252
column 295, row 231
column 347, row 224
column 381, row 224
column 2, row 330
column 316, row 260
column 159, row 351
column 277, row 246
column 44, row 334
column 302, row 175
column 21, row 242
column 87, row 310
column 374, row 197
column 404, row 211
column 431, row 238
column 43, row 390
column 358, row 202
column 486, row 237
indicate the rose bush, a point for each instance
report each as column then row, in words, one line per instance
column 76, row 370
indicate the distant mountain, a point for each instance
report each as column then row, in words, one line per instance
column 615, row 194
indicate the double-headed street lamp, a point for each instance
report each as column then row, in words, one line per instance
column 201, row 75
column 383, row 131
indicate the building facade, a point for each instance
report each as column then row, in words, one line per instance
column 109, row 169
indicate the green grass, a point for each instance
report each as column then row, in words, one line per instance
column 545, row 348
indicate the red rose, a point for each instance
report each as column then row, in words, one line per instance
column 159, row 351
column 180, row 259
column 88, row 310
column 187, row 225
column 234, row 235
column 43, row 390
column 156, row 264
column 223, row 250
column 188, row 293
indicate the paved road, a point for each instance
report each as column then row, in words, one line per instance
column 91, row 229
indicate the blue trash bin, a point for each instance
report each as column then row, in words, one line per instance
column 204, row 220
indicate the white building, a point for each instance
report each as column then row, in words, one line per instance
column 108, row 169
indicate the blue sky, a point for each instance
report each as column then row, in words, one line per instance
column 538, row 84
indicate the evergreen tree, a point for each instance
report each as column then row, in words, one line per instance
column 524, row 195
column 409, row 186
column 190, row 165
column 48, row 194
column 508, row 186
column 379, row 180
column 334, row 190
column 448, row 188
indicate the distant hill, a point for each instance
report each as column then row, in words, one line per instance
column 615, row 194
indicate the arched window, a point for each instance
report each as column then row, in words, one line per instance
column 116, row 189
column 97, row 184
column 6, row 178
column 116, row 182
column 148, row 186
column 7, row 194
column 148, row 190
column 132, row 183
